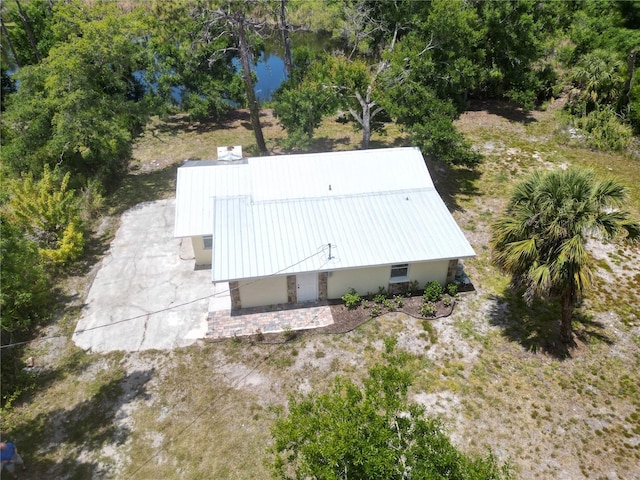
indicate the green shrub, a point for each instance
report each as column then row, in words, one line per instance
column 428, row 309
column 375, row 310
column 388, row 304
column 351, row 299
column 432, row 292
column 447, row 301
column 452, row 289
column 399, row 301
column 380, row 298
column 605, row 130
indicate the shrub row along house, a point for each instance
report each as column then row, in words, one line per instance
column 303, row 228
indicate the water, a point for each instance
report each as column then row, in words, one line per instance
column 271, row 73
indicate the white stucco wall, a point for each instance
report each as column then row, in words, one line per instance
column 267, row 291
column 202, row 256
column 428, row 272
column 364, row 280
column 368, row 280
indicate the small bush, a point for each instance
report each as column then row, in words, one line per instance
column 428, row 309
column 289, row 333
column 380, row 298
column 259, row 335
column 452, row 289
column 447, row 301
column 389, row 304
column 375, row 310
column 606, row 130
column 432, row 292
column 411, row 288
column 399, row 301
column 351, row 299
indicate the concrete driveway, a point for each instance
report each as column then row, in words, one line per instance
column 146, row 294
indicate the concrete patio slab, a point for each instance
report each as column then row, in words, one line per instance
column 146, row 294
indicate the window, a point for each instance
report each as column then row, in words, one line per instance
column 207, row 241
column 400, row 272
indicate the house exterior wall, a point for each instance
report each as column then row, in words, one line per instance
column 266, row 291
column 202, row 256
column 428, row 272
column 369, row 280
column 364, row 280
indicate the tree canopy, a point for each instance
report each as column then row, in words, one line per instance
column 371, row 432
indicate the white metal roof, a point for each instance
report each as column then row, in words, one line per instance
column 278, row 214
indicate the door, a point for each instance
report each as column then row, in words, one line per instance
column 307, row 284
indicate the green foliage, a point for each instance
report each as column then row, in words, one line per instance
column 433, row 291
column 351, row 299
column 37, row 21
column 200, row 70
column 399, row 300
column 428, row 118
column 380, row 298
column 428, row 309
column 25, row 295
column 300, row 110
column 452, row 289
column 605, row 130
column 25, row 300
column 48, row 212
column 371, row 432
column 598, row 79
column 79, row 107
column 447, row 301
column 548, row 257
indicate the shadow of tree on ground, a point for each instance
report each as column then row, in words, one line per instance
column 137, row 188
column 537, row 326
column 507, row 110
column 453, row 182
column 90, row 424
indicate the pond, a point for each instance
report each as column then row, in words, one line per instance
column 270, row 66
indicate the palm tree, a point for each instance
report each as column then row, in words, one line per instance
column 540, row 240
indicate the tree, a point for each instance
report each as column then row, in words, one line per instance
column 26, row 28
column 25, row 300
column 81, row 107
column 235, row 19
column 48, row 212
column 540, row 240
column 514, row 45
column 599, row 79
column 193, row 63
column 286, row 40
column 370, row 432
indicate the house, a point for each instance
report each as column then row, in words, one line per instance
column 299, row 228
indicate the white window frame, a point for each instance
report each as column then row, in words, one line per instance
column 207, row 242
column 399, row 278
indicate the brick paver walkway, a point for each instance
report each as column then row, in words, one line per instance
column 227, row 324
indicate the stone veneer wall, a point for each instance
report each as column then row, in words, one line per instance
column 322, row 286
column 292, row 292
column 451, row 270
column 234, row 287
